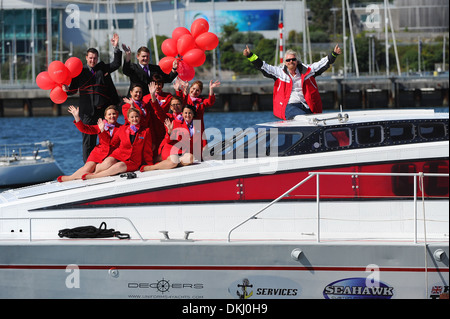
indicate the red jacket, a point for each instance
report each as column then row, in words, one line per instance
column 181, row 140
column 283, row 82
column 136, row 154
column 200, row 105
column 144, row 111
column 156, row 126
column 163, row 98
column 282, row 92
column 103, row 148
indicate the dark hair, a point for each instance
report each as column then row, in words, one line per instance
column 192, row 108
column 133, row 85
column 143, row 49
column 158, row 79
column 92, row 50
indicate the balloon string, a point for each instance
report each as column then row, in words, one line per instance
column 84, row 86
column 86, row 90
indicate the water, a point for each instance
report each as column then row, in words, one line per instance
column 67, row 139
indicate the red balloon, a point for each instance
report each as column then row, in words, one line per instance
column 185, row 71
column 207, row 41
column 199, row 26
column 169, row 47
column 44, row 81
column 74, row 65
column 58, row 71
column 194, row 57
column 57, row 95
column 68, row 80
column 185, row 43
column 166, row 64
column 178, row 32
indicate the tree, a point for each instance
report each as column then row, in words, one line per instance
column 231, row 44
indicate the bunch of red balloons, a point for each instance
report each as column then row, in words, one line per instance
column 57, row 74
column 188, row 48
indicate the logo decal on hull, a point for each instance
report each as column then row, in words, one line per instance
column 264, row 287
column 358, row 288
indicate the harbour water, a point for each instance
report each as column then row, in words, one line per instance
column 67, row 139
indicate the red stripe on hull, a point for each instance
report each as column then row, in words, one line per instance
column 266, row 187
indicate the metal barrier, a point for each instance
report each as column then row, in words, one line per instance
column 318, row 174
column 26, row 151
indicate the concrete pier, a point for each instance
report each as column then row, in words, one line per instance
column 256, row 95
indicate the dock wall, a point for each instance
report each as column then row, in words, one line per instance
column 256, row 95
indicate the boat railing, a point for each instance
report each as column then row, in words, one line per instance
column 16, row 152
column 31, row 219
column 417, row 176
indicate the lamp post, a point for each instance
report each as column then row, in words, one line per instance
column 8, row 44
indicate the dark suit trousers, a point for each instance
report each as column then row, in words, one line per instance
column 90, row 141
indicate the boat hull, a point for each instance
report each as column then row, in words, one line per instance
column 365, row 221
column 236, row 270
column 15, row 175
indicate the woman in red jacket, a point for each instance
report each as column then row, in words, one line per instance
column 132, row 148
column 105, row 129
column 136, row 101
column 163, row 98
column 176, row 107
column 178, row 145
column 194, row 98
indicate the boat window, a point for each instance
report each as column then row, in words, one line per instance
column 432, row 130
column 369, row 134
column 403, row 185
column 247, row 137
column 255, row 142
column 337, row 137
column 436, row 185
column 286, row 140
column 269, row 142
column 401, row 132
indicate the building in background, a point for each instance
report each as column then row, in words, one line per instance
column 26, row 34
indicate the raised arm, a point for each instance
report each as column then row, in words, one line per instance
column 127, row 51
column 83, row 128
column 75, row 111
column 117, row 59
column 101, row 125
column 213, row 85
column 159, row 112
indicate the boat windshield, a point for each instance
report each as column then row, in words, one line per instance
column 256, row 141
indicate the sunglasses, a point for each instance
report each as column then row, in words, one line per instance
column 289, row 60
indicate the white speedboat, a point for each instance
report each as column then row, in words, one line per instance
column 335, row 205
column 27, row 164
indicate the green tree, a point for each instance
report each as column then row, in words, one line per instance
column 231, row 44
column 159, row 40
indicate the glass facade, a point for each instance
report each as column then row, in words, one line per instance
column 103, row 24
column 16, row 40
column 16, row 26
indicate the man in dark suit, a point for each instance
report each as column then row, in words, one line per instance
column 97, row 90
column 142, row 72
